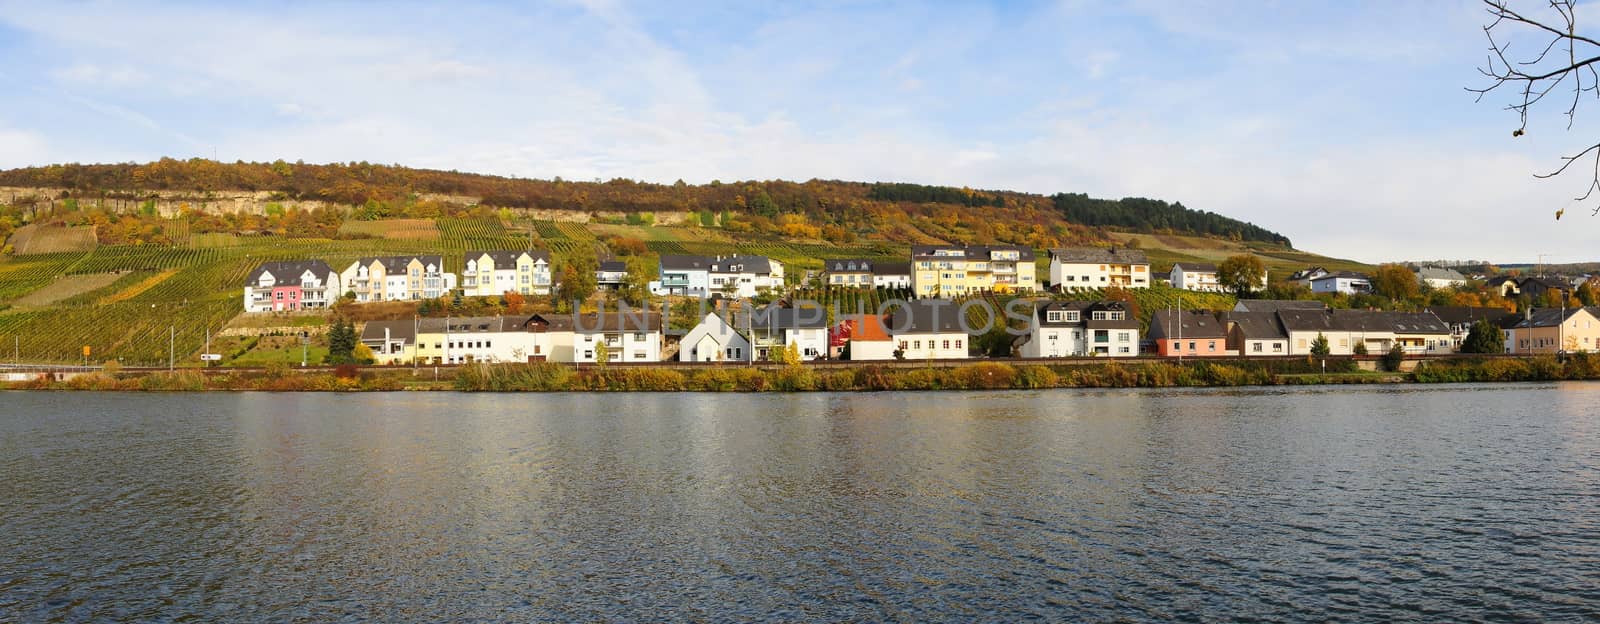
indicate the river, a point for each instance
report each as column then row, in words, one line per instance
column 1391, row 503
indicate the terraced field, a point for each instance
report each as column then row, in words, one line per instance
column 38, row 239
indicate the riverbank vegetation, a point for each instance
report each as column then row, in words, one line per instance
column 554, row 377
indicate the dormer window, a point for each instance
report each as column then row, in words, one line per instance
column 1072, row 316
column 1055, row 316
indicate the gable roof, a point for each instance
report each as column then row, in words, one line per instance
column 616, row 322
column 398, row 330
column 970, row 252
column 1195, row 267
column 926, row 316
column 1438, row 273
column 868, row 327
column 1545, row 317
column 1361, row 321
column 1273, row 305
column 892, row 268
column 786, row 318
column 1342, row 275
column 1197, row 324
column 509, row 258
column 472, row 324
column 849, row 265
column 758, row 265
column 1099, row 255
column 1256, row 325
column 397, row 264
column 289, row 273
column 1463, row 315
column 1306, row 273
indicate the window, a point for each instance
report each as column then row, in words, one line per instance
column 639, row 336
column 1122, row 350
column 958, row 343
column 1123, row 337
column 1055, row 316
column 1212, row 346
column 1072, row 316
column 1277, row 347
column 1191, row 345
column 278, row 295
column 917, row 344
column 588, row 337
column 638, row 355
column 1255, row 346
column 947, row 344
column 588, row 354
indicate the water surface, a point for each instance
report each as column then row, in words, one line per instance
column 1456, row 503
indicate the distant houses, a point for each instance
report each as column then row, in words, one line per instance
column 290, row 286
column 1438, row 277
column 1098, row 267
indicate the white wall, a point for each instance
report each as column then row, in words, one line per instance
column 937, row 346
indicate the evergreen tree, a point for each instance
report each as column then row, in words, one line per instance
column 1319, row 346
column 1484, row 337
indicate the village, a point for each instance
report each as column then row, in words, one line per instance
column 943, row 284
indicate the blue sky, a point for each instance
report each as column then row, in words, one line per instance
column 1341, row 125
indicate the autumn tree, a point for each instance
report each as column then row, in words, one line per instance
column 1396, row 282
column 578, row 279
column 1242, row 274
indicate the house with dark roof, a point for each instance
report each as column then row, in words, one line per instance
column 391, row 342
column 495, row 273
column 1461, row 318
column 1537, row 288
column 397, row 278
column 288, row 286
column 1079, row 328
column 852, row 272
column 704, row 276
column 631, row 336
column 1273, row 305
column 1074, row 268
column 1506, row 285
column 1376, row 331
column 955, row 270
column 611, row 275
column 775, row 327
column 928, row 329
column 1189, row 333
column 1255, row 332
column 1304, row 276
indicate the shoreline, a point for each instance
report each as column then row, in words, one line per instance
column 902, row 376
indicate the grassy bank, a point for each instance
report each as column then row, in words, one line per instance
column 551, row 377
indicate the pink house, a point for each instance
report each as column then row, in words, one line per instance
column 287, row 286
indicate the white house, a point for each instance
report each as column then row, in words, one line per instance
column 1080, row 328
column 928, row 329
column 1414, row 332
column 1437, row 277
column 627, row 336
column 869, row 338
column 703, row 276
column 397, row 278
column 1195, row 276
column 494, row 273
column 611, row 274
column 281, row 286
column 777, row 328
column 1098, row 267
column 866, row 273
column 714, row 340
column 1346, row 282
column 1255, row 333
column 1304, row 276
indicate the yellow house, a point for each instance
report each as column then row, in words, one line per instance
column 1548, row 330
column 955, row 270
column 494, row 273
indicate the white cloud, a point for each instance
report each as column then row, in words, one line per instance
column 90, row 75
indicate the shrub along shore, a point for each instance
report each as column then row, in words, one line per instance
column 551, row 377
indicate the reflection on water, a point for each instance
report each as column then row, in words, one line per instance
column 1457, row 503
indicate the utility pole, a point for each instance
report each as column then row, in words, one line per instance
column 172, row 351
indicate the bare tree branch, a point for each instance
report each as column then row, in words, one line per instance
column 1536, row 76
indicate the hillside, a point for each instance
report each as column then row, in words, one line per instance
column 133, row 251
